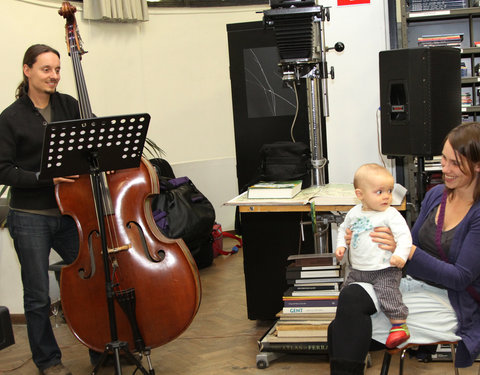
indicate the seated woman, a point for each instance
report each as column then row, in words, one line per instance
column 442, row 286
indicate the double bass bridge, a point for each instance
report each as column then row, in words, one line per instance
column 118, row 249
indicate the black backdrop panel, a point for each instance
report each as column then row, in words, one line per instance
column 263, row 108
column 263, row 113
column 420, row 99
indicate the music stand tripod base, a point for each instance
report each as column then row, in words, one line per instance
column 115, row 348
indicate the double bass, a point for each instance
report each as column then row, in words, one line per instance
column 155, row 283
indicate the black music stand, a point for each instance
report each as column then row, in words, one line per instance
column 93, row 146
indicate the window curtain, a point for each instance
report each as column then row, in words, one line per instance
column 115, row 10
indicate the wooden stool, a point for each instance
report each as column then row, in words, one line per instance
column 56, row 268
column 389, row 352
column 6, row 330
column 56, row 307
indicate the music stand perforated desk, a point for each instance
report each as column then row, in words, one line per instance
column 104, row 143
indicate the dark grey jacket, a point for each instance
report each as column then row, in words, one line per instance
column 21, row 140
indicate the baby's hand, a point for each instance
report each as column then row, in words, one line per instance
column 396, row 261
column 339, row 253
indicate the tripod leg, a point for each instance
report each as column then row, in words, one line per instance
column 115, row 349
column 103, row 358
column 116, row 355
column 137, row 363
column 151, row 371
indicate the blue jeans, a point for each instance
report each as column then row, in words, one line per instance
column 33, row 237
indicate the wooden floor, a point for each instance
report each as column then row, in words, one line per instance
column 221, row 340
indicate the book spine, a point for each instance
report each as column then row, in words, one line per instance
column 321, row 334
column 300, row 347
column 306, row 260
column 301, row 326
column 314, row 290
column 309, row 310
column 315, row 262
column 312, row 274
column 314, row 294
column 292, row 267
column 310, row 303
column 293, row 280
column 300, row 288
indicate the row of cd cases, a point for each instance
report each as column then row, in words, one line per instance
column 432, row 5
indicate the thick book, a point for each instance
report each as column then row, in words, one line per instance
column 322, row 259
column 275, row 189
column 315, row 321
column 314, row 293
column 305, row 325
column 270, row 342
column 315, row 287
column 293, row 280
column 296, row 274
column 309, row 310
column 310, row 302
column 302, row 330
column 294, row 267
column 293, row 291
column 294, row 345
column 323, row 316
column 318, row 334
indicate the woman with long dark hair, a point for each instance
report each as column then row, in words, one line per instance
column 442, row 286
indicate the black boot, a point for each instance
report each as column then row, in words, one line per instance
column 346, row 367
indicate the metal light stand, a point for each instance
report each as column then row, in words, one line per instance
column 300, row 34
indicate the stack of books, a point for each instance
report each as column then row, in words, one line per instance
column 270, row 342
column 309, row 305
column 450, row 40
column 314, row 284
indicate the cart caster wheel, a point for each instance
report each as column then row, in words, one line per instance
column 261, row 364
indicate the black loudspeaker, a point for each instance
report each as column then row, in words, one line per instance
column 420, row 96
column 6, row 331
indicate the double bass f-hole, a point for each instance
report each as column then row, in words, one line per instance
column 150, row 285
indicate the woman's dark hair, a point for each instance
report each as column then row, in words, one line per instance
column 29, row 59
column 465, row 141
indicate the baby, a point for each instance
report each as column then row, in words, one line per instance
column 370, row 264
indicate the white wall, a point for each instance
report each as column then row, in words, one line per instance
column 176, row 68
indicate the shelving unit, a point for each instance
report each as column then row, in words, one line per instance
column 471, row 83
column 414, row 24
column 465, row 21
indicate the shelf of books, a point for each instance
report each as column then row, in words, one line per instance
column 309, row 305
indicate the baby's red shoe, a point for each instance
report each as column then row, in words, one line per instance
column 398, row 335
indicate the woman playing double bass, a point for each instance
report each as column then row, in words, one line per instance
column 34, row 219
